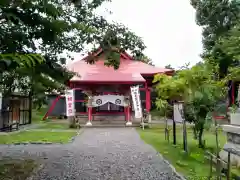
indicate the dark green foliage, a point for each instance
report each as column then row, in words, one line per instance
column 199, row 91
column 34, row 32
column 169, row 66
column 216, row 17
column 14, row 60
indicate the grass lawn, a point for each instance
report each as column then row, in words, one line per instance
column 192, row 165
column 37, row 115
column 36, row 136
column 16, row 169
column 49, row 125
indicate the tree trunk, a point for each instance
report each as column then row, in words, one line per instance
column 195, row 133
column 72, row 122
column 200, row 136
column 166, row 129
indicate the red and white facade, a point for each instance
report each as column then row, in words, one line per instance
column 100, row 80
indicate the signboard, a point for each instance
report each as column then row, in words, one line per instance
column 70, row 105
column 177, row 112
column 136, row 101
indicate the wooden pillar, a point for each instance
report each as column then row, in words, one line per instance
column 125, row 112
column 89, row 123
column 128, row 109
column 148, row 98
column 128, row 114
column 129, row 121
column 90, row 114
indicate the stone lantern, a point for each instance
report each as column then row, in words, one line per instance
column 232, row 145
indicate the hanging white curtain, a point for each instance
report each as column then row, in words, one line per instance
column 101, row 100
column 136, row 101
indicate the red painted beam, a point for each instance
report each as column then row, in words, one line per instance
column 51, row 107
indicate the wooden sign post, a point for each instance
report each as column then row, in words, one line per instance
column 179, row 117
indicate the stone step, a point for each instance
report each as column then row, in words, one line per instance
column 103, row 118
column 109, row 122
column 109, row 126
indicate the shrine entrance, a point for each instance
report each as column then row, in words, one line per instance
column 109, row 108
column 107, row 105
column 108, row 89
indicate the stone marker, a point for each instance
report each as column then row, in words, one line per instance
column 233, row 140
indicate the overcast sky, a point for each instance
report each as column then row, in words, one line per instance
column 167, row 27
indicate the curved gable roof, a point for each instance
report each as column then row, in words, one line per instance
column 129, row 70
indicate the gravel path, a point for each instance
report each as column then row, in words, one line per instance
column 97, row 154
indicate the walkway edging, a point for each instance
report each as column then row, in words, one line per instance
column 171, row 166
column 80, row 131
column 164, row 160
column 41, row 166
column 45, row 143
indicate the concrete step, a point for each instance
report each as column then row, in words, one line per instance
column 103, row 118
column 110, row 122
column 110, row 126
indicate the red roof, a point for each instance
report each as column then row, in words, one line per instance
column 128, row 71
column 109, row 77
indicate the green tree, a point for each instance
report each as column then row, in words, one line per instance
column 169, row 66
column 230, row 45
column 45, row 29
column 55, row 26
column 216, row 17
column 12, row 61
column 230, row 42
column 199, row 91
column 144, row 59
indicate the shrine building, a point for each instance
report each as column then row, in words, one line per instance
column 101, row 91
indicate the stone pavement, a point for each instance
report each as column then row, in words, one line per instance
column 97, row 154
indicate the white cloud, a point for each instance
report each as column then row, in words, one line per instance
column 167, row 27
